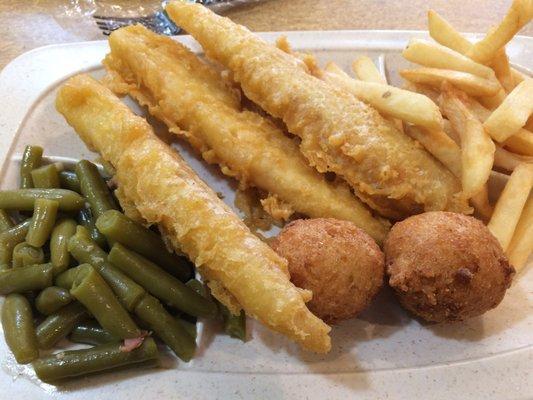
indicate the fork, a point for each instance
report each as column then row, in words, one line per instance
column 159, row 21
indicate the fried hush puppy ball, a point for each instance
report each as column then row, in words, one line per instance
column 337, row 261
column 445, row 266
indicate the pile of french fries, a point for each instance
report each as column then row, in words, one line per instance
column 470, row 109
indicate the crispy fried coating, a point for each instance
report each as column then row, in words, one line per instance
column 339, row 133
column 337, row 261
column 446, row 266
column 167, row 192
column 191, row 98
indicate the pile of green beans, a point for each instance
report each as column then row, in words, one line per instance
column 159, row 283
column 61, row 283
column 120, row 229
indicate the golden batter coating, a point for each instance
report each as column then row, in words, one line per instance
column 339, row 133
column 191, row 98
column 166, row 191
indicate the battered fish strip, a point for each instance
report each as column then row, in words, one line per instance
column 189, row 96
column 166, row 191
column 339, row 133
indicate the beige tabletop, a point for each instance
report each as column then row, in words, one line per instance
column 26, row 24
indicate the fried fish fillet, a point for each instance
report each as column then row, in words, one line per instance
column 166, row 191
column 191, row 98
column 339, row 133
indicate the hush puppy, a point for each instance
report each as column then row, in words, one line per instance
column 337, row 261
column 445, row 266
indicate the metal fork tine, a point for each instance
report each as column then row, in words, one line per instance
column 108, row 27
column 156, row 22
column 110, row 18
column 114, row 23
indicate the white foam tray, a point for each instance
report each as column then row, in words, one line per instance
column 382, row 354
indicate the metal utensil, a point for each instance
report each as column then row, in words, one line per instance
column 159, row 21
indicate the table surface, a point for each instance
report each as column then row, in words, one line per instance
column 27, row 24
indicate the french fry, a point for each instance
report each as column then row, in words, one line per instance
column 479, row 110
column 448, row 129
column 426, row 90
column 493, row 102
column 521, row 143
column 518, row 15
column 511, row 203
column 448, row 152
column 508, row 161
column 529, row 124
column 521, row 244
column 442, row 32
column 392, row 101
column 517, row 76
column 434, row 55
column 477, row 154
column 481, row 204
column 468, row 83
column 503, row 159
column 365, row 69
column 440, row 145
column 512, row 114
column 502, row 69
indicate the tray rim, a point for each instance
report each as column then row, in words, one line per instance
column 494, row 376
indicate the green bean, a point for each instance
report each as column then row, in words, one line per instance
column 94, row 188
column 31, row 159
column 190, row 327
column 69, row 180
column 199, row 288
column 109, row 170
column 166, row 327
column 42, row 222
column 91, row 333
column 24, row 199
column 10, row 238
column 64, row 229
column 86, row 219
column 66, row 279
column 93, row 292
column 5, row 221
column 59, row 324
column 73, row 363
column 25, row 279
column 17, row 321
column 159, row 283
column 202, row 290
column 234, row 325
column 24, row 255
column 86, row 250
column 52, row 299
column 120, row 229
column 46, row 177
